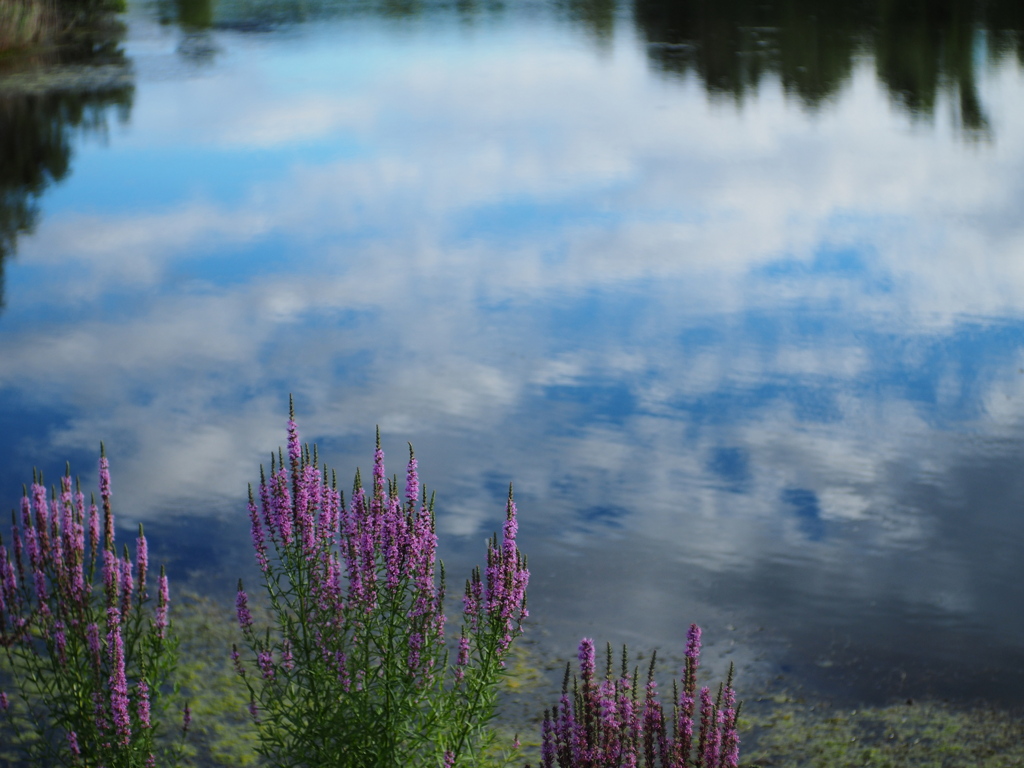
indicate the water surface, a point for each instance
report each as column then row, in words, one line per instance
column 734, row 295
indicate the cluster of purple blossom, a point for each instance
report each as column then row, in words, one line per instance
column 360, row 619
column 97, row 658
column 608, row 723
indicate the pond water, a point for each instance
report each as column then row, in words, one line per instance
column 733, row 292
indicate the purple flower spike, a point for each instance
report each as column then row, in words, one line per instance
column 586, row 658
column 118, row 680
column 73, row 744
column 547, row 749
column 104, row 474
column 266, row 664
column 294, row 446
column 706, row 747
column 693, row 647
column 60, row 643
column 127, row 584
column 4, row 703
column 412, row 480
column 242, row 608
column 142, row 691
column 142, row 562
column 92, row 635
column 163, row 602
column 258, row 542
column 94, row 529
column 186, row 718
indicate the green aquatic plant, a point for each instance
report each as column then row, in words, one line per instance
column 89, row 648
column 787, row 730
column 355, row 668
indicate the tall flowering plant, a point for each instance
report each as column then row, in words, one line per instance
column 356, row 669
column 89, row 646
column 611, row 722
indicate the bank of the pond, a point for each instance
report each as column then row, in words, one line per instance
column 24, row 24
column 33, row 28
column 779, row 727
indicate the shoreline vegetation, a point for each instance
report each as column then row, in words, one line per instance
column 779, row 728
column 29, row 25
column 343, row 657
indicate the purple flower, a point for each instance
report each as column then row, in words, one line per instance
column 42, row 518
column 242, row 608
column 586, row 658
column 100, row 711
column 118, row 680
column 258, row 542
column 31, row 543
column 463, row 658
column 92, row 637
column 108, row 515
column 692, row 660
column 294, row 446
column 142, row 562
column 4, row 703
column 730, row 733
column 266, row 663
column 186, row 718
column 378, row 470
column 341, row 662
column 415, row 646
column 706, row 746
column 127, row 585
column 547, row 748
column 104, row 474
column 39, row 582
column 60, row 643
column 94, row 528
column 412, row 480
column 111, row 577
column 163, row 601
column 142, row 691
column 73, row 744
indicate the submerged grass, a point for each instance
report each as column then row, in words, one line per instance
column 780, row 730
column 918, row 734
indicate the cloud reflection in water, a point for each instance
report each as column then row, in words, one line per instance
column 770, row 344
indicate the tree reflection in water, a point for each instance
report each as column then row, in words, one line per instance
column 920, row 50
column 35, row 149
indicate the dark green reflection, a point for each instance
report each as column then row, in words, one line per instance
column 36, row 130
column 596, row 16
column 920, row 47
column 197, row 14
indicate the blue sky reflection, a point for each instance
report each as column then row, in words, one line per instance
column 652, row 311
